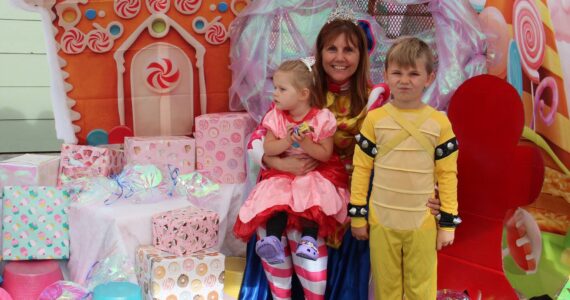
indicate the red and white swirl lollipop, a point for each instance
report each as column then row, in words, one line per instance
column 216, row 33
column 162, row 76
column 73, row 41
column 530, row 37
column 158, row 6
column 99, row 41
column 127, row 9
column 187, row 7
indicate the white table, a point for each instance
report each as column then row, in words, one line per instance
column 98, row 231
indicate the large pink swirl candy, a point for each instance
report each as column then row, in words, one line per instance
column 127, row 9
column 73, row 41
column 187, row 7
column 530, row 37
column 162, row 76
column 216, row 33
column 158, row 6
column 539, row 104
column 99, row 41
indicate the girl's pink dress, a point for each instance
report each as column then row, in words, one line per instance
column 320, row 195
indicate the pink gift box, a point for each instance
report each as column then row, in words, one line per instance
column 162, row 275
column 185, row 230
column 220, row 145
column 30, row 170
column 87, row 161
column 161, row 151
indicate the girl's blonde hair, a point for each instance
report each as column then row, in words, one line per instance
column 406, row 50
column 359, row 81
column 302, row 78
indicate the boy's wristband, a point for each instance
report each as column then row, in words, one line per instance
column 357, row 210
column 447, row 220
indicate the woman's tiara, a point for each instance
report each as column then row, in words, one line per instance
column 343, row 13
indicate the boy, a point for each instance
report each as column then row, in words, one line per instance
column 410, row 146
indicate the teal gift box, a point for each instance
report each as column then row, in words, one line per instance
column 35, row 223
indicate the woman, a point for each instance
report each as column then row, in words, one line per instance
column 343, row 67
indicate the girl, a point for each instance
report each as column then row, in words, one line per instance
column 313, row 203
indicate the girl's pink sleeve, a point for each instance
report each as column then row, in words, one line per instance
column 325, row 125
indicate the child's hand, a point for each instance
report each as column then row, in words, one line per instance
column 360, row 233
column 444, row 238
column 290, row 133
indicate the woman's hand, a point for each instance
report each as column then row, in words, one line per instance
column 434, row 205
column 296, row 165
column 360, row 233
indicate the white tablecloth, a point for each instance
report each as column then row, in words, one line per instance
column 98, row 231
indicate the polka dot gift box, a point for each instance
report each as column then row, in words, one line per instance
column 162, row 151
column 220, row 145
column 161, row 275
column 35, row 223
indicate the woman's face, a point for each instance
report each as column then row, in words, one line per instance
column 340, row 59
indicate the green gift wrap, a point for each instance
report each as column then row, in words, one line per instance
column 35, row 223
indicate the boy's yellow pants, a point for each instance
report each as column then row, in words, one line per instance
column 403, row 261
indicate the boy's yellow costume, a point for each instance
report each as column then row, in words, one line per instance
column 409, row 150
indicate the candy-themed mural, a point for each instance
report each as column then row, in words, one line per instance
column 151, row 66
column 519, row 216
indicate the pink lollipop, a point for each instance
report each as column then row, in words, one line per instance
column 162, row 76
column 539, row 105
column 216, row 33
column 530, row 37
column 73, row 41
column 158, row 6
column 187, row 7
column 99, row 41
column 127, row 9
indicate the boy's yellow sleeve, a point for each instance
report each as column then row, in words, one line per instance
column 363, row 162
column 446, row 154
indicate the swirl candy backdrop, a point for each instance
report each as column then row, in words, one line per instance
column 115, row 61
column 529, row 46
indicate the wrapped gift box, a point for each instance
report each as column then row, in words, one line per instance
column 176, row 151
column 162, row 275
column 220, row 145
column 87, row 161
column 29, row 169
column 185, row 230
column 35, row 223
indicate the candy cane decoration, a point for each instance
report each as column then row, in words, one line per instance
column 127, row 9
column 158, row 6
column 530, row 37
column 162, row 76
column 99, row 41
column 540, row 105
column 73, row 41
column 187, row 7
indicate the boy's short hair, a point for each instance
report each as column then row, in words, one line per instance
column 406, row 50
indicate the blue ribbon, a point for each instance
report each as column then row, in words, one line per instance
column 174, row 172
column 126, row 188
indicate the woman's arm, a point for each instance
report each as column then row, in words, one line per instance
column 320, row 151
column 274, row 146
